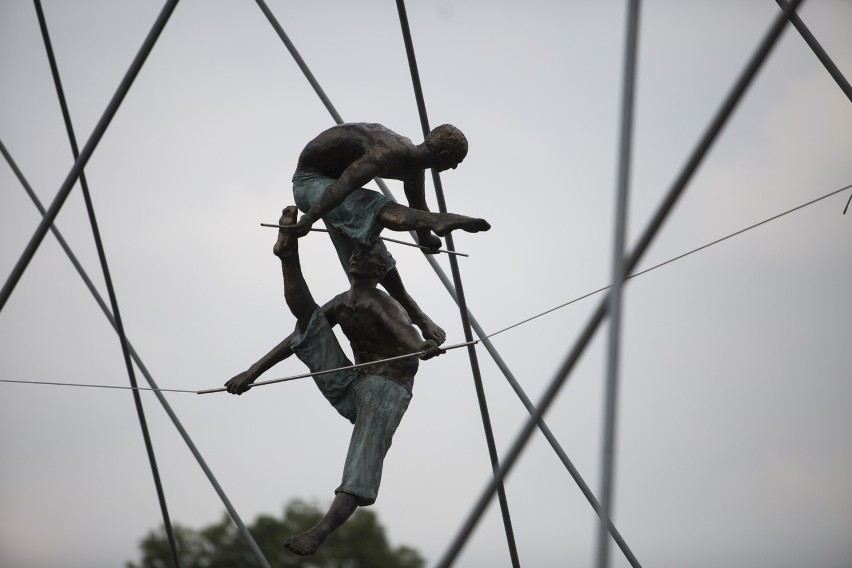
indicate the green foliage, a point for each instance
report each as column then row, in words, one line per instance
column 360, row 543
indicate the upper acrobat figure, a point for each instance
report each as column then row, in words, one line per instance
column 328, row 182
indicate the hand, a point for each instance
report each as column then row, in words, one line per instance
column 240, row 383
column 301, row 228
column 431, row 350
column 430, row 241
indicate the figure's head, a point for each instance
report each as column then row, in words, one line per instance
column 447, row 145
column 369, row 262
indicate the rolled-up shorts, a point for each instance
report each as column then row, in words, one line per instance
column 374, row 404
column 354, row 220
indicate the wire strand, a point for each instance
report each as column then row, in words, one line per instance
column 676, row 258
column 522, row 322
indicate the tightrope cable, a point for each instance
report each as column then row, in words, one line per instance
column 468, row 343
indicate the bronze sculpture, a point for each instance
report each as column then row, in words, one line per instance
column 328, row 182
column 379, row 326
column 373, row 398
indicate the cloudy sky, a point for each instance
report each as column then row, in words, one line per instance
column 735, row 400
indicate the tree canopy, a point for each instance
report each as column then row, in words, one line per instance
column 360, row 543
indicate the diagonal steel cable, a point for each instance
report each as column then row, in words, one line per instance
column 86, row 153
column 706, row 141
column 119, row 326
column 818, row 51
column 462, row 303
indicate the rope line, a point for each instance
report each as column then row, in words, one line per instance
column 473, row 342
column 679, row 257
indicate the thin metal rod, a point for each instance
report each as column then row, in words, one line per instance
column 474, row 362
column 818, row 51
column 93, row 386
column 299, row 61
column 87, row 151
column 261, row 559
column 618, row 276
column 276, row 226
column 651, row 230
column 545, row 430
column 490, row 347
column 346, row 368
column 137, row 400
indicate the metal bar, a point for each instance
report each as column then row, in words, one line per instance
column 142, row 369
column 647, row 237
column 277, row 226
column 87, row 151
column 474, row 361
column 618, row 277
column 346, row 368
column 137, row 400
column 299, row 61
column 818, row 50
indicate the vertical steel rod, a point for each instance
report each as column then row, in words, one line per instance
column 137, row 399
column 462, row 304
column 651, row 230
column 618, row 277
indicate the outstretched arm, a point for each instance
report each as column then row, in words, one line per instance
column 242, row 382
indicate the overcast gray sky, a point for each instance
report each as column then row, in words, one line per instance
column 735, row 401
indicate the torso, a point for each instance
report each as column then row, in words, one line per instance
column 334, row 150
column 360, row 315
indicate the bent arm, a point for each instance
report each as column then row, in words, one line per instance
column 359, row 173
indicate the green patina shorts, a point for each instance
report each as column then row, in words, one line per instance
column 374, row 404
column 354, row 219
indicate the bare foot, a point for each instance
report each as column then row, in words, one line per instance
column 431, row 330
column 468, row 224
column 288, row 217
column 304, row 544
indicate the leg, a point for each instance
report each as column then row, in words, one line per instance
column 296, row 291
column 393, row 284
column 307, row 543
column 398, row 217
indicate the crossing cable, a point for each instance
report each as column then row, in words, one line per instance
column 484, row 338
column 618, row 274
column 676, row 258
column 261, row 559
column 651, row 230
column 86, row 152
column 457, row 281
column 818, row 50
column 119, row 326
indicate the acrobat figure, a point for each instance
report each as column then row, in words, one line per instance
column 328, row 182
column 373, row 398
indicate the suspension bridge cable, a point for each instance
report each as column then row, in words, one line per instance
column 462, row 304
column 84, row 186
column 651, row 230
